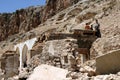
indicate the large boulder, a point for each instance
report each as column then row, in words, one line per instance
column 108, row 63
column 46, row 72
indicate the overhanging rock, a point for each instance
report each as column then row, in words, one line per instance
column 108, row 63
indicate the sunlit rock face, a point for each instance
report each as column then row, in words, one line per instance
column 24, row 20
column 20, row 21
column 54, row 6
column 110, row 61
column 46, row 72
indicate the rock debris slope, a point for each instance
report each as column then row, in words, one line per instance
column 57, row 45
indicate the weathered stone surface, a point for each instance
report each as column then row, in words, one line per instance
column 109, row 27
column 9, row 64
column 46, row 72
column 24, row 74
column 54, row 50
column 24, row 20
column 104, row 45
column 54, row 6
column 108, row 63
column 20, row 21
column 63, row 22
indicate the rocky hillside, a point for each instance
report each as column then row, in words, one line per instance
column 54, row 6
column 24, row 20
column 20, row 21
column 110, row 32
column 55, row 40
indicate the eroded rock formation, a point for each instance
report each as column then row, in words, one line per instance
column 63, row 24
column 20, row 21
column 24, row 20
column 54, row 6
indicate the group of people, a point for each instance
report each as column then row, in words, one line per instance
column 95, row 27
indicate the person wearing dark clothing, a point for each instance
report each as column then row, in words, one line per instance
column 96, row 27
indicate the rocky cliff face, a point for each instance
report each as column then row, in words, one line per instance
column 54, row 6
column 24, row 20
column 106, row 11
column 20, row 21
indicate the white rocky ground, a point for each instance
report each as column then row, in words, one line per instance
column 46, row 72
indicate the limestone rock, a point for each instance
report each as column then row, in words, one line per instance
column 24, row 20
column 23, row 74
column 20, row 21
column 109, row 66
column 46, row 72
column 53, row 50
column 54, row 6
column 89, row 70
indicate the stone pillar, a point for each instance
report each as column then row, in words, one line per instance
column 20, row 59
column 83, row 58
column 62, row 60
column 28, row 57
column 78, row 61
column 72, row 62
column 16, row 63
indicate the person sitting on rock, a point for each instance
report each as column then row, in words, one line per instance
column 96, row 27
column 87, row 27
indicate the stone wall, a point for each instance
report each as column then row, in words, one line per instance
column 10, row 64
column 62, row 49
